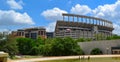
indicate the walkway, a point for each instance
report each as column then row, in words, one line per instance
column 61, row 57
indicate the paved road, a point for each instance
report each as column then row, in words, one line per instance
column 61, row 57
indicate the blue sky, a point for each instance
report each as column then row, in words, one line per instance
column 16, row 14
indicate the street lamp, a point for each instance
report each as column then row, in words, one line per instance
column 107, row 50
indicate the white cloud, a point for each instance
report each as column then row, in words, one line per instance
column 2, row 30
column 15, row 5
column 10, row 18
column 53, row 14
column 110, row 12
column 117, row 29
column 80, row 9
column 51, row 27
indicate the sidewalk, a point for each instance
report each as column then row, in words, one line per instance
column 62, row 57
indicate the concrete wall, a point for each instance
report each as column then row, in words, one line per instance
column 104, row 45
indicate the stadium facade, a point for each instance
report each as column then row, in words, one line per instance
column 80, row 26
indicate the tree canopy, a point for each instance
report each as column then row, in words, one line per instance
column 49, row 47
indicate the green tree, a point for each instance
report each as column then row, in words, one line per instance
column 8, row 45
column 96, row 51
column 63, row 47
column 113, row 37
column 49, row 47
column 35, row 51
column 25, row 45
column 80, row 40
column 100, row 36
column 46, row 50
column 39, row 41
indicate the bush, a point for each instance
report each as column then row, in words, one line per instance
column 80, row 40
column 96, row 51
column 9, row 46
column 109, row 38
column 62, row 47
column 88, row 39
column 49, row 47
column 24, row 45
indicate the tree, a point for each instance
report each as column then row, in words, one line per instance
column 48, row 47
column 96, row 51
column 8, row 45
column 25, row 45
column 35, row 50
column 63, row 47
column 113, row 37
column 83, row 39
column 80, row 40
column 46, row 50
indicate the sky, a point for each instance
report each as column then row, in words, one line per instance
column 18, row 14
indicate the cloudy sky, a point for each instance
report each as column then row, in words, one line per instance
column 16, row 14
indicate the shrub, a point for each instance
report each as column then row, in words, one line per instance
column 62, row 47
column 96, row 51
column 80, row 40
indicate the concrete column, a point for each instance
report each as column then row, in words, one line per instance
column 68, row 18
column 96, row 22
column 82, row 19
column 99, row 22
column 105, row 35
column 73, row 18
column 92, row 34
column 104, row 23
column 86, row 20
column 101, row 35
column 111, row 25
column 110, row 34
column 77, row 19
column 83, row 33
column 87, row 33
column 93, row 21
column 63, row 18
column 108, row 24
column 89, row 21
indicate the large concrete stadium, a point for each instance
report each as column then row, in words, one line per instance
column 80, row 26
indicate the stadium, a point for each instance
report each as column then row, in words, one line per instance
column 80, row 26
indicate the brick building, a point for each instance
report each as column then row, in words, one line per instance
column 33, row 33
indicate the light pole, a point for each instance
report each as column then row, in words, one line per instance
column 107, row 50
